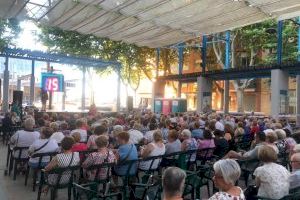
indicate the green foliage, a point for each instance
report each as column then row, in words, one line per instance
column 9, row 30
column 134, row 59
column 259, row 38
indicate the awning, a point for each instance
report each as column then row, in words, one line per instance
column 152, row 23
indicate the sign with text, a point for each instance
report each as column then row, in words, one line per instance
column 52, row 82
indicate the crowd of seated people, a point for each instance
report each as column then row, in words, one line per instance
column 142, row 135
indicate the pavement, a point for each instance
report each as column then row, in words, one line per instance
column 16, row 190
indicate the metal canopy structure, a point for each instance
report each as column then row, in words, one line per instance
column 56, row 58
column 293, row 69
column 53, row 58
column 152, row 23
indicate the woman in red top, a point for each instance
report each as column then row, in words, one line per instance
column 77, row 147
column 254, row 128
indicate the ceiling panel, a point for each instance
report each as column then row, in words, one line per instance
column 148, row 22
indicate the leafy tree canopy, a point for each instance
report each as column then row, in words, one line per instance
column 9, row 30
column 136, row 61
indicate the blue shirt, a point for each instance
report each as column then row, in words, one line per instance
column 127, row 152
column 197, row 133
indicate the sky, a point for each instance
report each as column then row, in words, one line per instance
column 105, row 88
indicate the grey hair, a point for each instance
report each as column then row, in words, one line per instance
column 117, row 129
column 280, row 134
column 173, row 180
column 186, row 132
column 29, row 123
column 229, row 169
column 54, row 126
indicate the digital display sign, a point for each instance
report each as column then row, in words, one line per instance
column 52, row 82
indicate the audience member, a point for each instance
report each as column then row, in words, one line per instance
column 173, row 181
column 271, row 178
column 227, row 172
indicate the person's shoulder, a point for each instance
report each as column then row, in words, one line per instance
column 218, row 196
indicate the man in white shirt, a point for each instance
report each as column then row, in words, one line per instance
column 136, row 136
column 83, row 133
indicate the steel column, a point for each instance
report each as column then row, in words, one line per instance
column 227, row 66
column 203, row 52
column 119, row 89
column 5, row 86
column 153, row 96
column 157, row 61
column 279, row 42
column 32, row 83
column 299, row 39
column 63, row 106
column 83, row 89
column 227, row 50
column 180, row 67
column 298, row 83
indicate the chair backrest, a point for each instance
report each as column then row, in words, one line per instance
column 293, row 196
column 61, row 177
column 205, row 154
column 40, row 156
column 19, row 153
column 152, row 160
column 130, row 165
column 84, row 192
column 187, row 158
column 84, row 154
column 99, row 169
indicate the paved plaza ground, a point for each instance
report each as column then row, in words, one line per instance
column 16, row 190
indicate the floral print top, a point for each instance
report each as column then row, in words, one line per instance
column 226, row 196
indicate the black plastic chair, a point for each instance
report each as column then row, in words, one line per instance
column 150, row 190
column 243, row 142
column 151, row 169
column 90, row 191
column 147, row 185
column 8, row 157
column 40, row 156
column 58, row 178
column 19, row 155
column 246, row 171
column 98, row 168
column 130, row 165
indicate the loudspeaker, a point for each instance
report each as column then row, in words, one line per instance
column 130, row 103
column 18, row 97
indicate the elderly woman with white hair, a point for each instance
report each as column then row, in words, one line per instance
column 189, row 143
column 227, row 172
column 281, row 142
column 26, row 137
column 57, row 135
